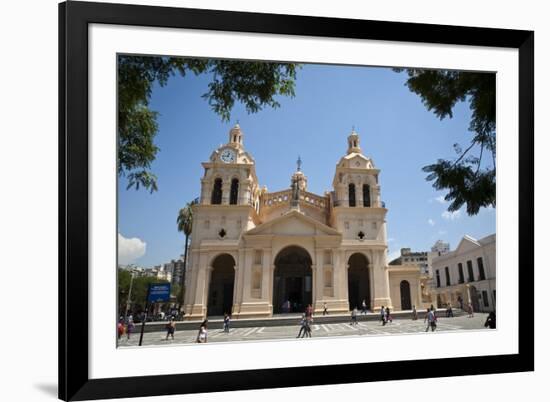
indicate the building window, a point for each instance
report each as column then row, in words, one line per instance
column 328, row 257
column 470, row 271
column 485, row 298
column 328, row 278
column 257, row 280
column 234, row 194
column 366, row 195
column 438, row 279
column 217, row 192
column 480, row 269
column 460, row 273
column 258, row 257
column 351, row 193
column 447, row 277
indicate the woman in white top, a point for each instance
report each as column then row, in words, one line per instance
column 202, row 336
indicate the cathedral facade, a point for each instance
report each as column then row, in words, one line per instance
column 256, row 253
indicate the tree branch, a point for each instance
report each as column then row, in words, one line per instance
column 464, row 153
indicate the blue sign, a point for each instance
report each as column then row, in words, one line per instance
column 159, row 292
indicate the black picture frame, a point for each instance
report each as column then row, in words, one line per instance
column 74, row 18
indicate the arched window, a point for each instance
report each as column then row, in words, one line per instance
column 234, row 191
column 351, row 192
column 217, row 192
column 366, row 195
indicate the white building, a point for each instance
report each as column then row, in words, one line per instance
column 253, row 252
column 440, row 247
column 467, row 275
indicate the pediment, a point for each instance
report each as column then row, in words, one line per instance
column 356, row 161
column 467, row 244
column 293, row 223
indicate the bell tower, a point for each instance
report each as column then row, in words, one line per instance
column 360, row 215
column 230, row 175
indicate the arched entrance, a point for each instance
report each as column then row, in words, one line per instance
column 220, row 290
column 292, row 280
column 405, row 289
column 358, row 281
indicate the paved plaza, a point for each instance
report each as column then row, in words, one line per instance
column 363, row 328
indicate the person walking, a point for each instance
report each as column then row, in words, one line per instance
column 353, row 316
column 383, row 315
column 415, row 314
column 226, row 322
column 470, row 310
column 431, row 318
column 491, row 320
column 309, row 311
column 129, row 326
column 202, row 336
column 303, row 325
column 120, row 328
column 171, row 328
column 450, row 310
column 388, row 315
column 309, row 323
column 363, row 307
column 325, row 311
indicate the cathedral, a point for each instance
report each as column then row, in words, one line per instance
column 256, row 253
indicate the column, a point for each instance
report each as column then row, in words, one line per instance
column 359, row 194
column 244, row 192
column 239, row 270
column 206, row 191
column 226, row 187
column 318, row 277
column 247, row 275
column 266, row 272
column 381, row 283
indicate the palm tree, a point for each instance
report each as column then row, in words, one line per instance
column 185, row 225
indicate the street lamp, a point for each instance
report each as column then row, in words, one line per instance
column 129, row 295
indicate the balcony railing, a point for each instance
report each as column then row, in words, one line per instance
column 285, row 197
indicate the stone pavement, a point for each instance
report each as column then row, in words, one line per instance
column 364, row 328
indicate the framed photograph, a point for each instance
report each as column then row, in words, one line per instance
column 260, row 201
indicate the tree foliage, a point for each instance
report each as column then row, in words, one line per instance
column 464, row 178
column 185, row 225
column 254, row 84
column 140, row 285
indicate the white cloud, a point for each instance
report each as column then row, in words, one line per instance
column 431, row 222
column 451, row 216
column 440, row 199
column 390, row 239
column 130, row 250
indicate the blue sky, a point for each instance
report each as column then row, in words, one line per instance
column 396, row 131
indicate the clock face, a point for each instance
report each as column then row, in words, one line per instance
column 227, row 156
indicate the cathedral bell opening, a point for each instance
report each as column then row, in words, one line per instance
column 292, row 281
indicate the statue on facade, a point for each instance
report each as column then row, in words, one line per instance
column 295, row 192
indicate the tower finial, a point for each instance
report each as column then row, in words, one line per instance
column 353, row 142
column 299, row 163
